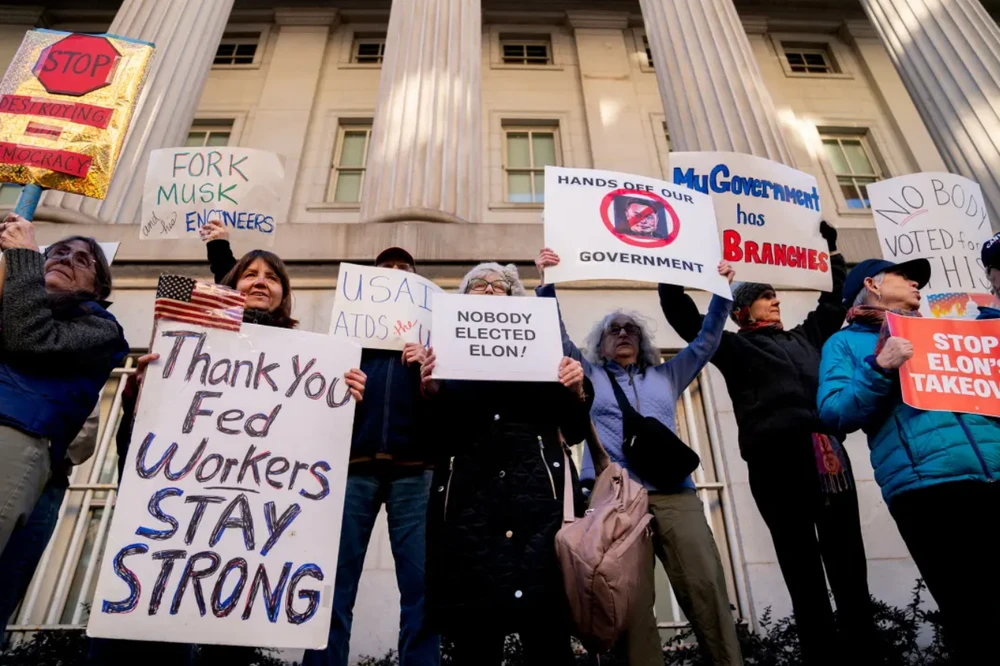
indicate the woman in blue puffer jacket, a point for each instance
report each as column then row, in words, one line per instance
column 937, row 470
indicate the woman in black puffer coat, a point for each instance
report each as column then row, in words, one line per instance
column 496, row 504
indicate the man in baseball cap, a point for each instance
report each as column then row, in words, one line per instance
column 388, row 466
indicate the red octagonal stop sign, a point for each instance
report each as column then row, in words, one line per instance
column 77, row 65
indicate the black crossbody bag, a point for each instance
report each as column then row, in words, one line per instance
column 651, row 448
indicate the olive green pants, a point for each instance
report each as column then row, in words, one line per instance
column 684, row 543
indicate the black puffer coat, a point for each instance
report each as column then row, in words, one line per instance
column 496, row 503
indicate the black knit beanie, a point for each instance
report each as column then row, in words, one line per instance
column 744, row 294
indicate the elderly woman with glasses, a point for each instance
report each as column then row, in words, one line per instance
column 620, row 349
column 496, row 502
column 58, row 345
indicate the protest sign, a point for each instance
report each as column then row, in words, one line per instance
column 65, row 106
column 227, row 523
column 768, row 216
column 505, row 338
column 382, row 308
column 954, row 366
column 187, row 187
column 943, row 218
column 609, row 225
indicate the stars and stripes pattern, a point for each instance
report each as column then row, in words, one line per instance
column 194, row 302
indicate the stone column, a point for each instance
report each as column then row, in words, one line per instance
column 186, row 34
column 712, row 89
column 424, row 161
column 948, row 54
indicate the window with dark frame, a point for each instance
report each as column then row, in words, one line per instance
column 237, row 48
column 368, row 49
column 809, row 58
column 525, row 51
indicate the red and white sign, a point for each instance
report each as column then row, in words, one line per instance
column 955, row 365
column 77, row 65
column 609, row 225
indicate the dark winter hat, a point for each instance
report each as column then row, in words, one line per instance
column 395, row 253
column 991, row 253
column 744, row 294
column 918, row 270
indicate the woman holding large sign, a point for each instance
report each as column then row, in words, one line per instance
column 938, row 470
column 800, row 474
column 58, row 345
column 624, row 365
column 496, row 503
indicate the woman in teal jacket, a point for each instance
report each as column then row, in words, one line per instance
column 937, row 470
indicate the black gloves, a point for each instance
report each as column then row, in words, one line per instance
column 829, row 234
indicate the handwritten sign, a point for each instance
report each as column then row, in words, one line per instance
column 227, row 524
column 506, row 338
column 768, row 216
column 955, row 365
column 610, row 225
column 66, row 102
column 382, row 308
column 940, row 217
column 187, row 187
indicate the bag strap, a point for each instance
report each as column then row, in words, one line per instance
column 569, row 515
column 623, row 403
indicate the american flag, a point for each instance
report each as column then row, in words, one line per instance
column 183, row 299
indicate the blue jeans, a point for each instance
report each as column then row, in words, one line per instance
column 405, row 502
column 26, row 546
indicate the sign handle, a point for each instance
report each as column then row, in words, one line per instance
column 28, row 201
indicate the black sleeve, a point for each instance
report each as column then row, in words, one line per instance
column 682, row 314
column 220, row 258
column 30, row 330
column 124, row 434
column 575, row 413
column 680, row 310
column 829, row 314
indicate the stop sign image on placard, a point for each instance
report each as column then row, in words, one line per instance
column 77, row 65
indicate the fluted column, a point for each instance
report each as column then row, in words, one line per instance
column 424, row 162
column 948, row 54
column 186, row 34
column 712, row 90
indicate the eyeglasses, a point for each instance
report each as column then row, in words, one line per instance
column 630, row 329
column 479, row 285
column 78, row 258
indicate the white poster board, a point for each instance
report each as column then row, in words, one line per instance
column 382, row 308
column 187, row 187
column 768, row 216
column 940, row 217
column 233, row 485
column 505, row 338
column 609, row 225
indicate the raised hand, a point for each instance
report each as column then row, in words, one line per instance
column 571, row 376
column 546, row 258
column 213, row 230
column 355, row 380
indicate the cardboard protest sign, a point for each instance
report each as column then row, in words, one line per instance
column 955, row 365
column 768, row 216
column 382, row 308
column 943, row 218
column 65, row 106
column 504, row 338
column 227, row 523
column 610, row 225
column 187, row 187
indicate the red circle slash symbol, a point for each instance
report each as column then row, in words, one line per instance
column 77, row 65
column 641, row 219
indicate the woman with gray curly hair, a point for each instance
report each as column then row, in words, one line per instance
column 496, row 502
column 620, row 349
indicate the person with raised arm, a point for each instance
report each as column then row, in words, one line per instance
column 620, row 349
